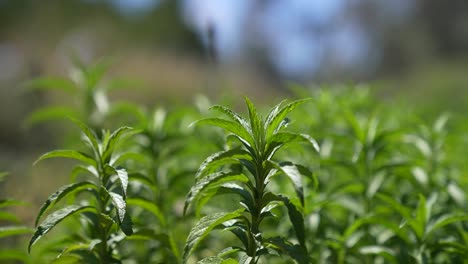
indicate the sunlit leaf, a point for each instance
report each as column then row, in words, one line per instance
column 276, row 115
column 67, row 153
column 210, row 181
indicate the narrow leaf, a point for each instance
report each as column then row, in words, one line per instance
column 220, row 158
column 204, row 227
column 113, row 140
column 66, row 153
column 234, row 116
column 294, row 173
column 445, row 220
column 50, row 113
column 90, row 136
column 229, row 126
column 56, row 217
column 6, row 231
column 51, row 83
column 211, row 181
column 61, row 193
column 276, row 116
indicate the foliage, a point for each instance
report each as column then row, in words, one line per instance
column 351, row 180
column 12, row 229
column 104, row 213
column 246, row 171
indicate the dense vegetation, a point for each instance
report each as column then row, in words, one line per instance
column 332, row 176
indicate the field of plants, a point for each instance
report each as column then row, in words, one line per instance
column 332, row 175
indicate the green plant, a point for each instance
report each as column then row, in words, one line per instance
column 104, row 211
column 13, row 228
column 88, row 88
column 246, row 170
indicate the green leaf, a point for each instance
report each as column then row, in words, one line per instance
column 9, row 217
column 13, row 254
column 6, row 231
column 255, row 124
column 126, row 225
column 229, row 126
column 294, row 172
column 279, row 139
column 149, row 206
column 90, row 137
column 50, row 113
column 63, row 192
column 397, row 206
column 219, row 159
column 56, row 217
column 295, row 213
column 445, row 220
column 276, row 116
column 79, row 247
column 296, row 252
column 234, row 116
column 204, row 227
column 211, row 181
column 10, row 202
column 119, row 204
column 114, row 138
column 122, row 177
column 68, row 153
column 217, row 260
column 51, row 84
column 233, row 188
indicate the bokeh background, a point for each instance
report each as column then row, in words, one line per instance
column 410, row 50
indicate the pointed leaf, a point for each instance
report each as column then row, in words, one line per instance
column 211, row 181
column 445, row 220
column 113, row 140
column 276, row 116
column 219, row 159
column 231, row 127
column 61, row 193
column 51, row 83
column 203, row 228
column 56, row 217
column 234, row 116
column 295, row 213
column 255, row 122
column 67, row 153
column 90, row 136
column 122, row 177
column 279, row 139
column 294, row 173
column 50, row 113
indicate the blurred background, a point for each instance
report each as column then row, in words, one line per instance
column 411, row 49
